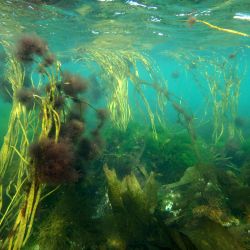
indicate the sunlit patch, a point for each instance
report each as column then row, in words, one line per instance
column 152, row 7
column 117, row 13
column 158, row 33
column 94, row 32
column 134, row 3
column 196, row 14
column 242, row 16
column 155, row 19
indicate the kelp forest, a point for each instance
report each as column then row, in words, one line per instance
column 118, row 140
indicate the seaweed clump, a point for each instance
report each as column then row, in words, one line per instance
column 26, row 97
column 73, row 84
column 30, row 45
column 53, row 161
column 73, row 129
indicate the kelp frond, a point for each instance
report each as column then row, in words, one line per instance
column 119, row 74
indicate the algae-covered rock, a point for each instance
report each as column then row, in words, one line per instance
column 134, row 206
column 208, row 235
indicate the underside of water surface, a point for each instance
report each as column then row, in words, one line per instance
column 124, row 124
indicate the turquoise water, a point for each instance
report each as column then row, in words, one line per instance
column 124, row 124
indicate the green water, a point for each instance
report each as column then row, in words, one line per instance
column 124, row 125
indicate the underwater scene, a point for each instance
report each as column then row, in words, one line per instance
column 124, row 125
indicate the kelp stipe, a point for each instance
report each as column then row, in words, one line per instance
column 21, row 190
column 36, row 156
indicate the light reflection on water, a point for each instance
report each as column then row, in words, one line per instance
column 151, row 22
